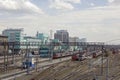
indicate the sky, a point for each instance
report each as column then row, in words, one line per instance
column 96, row 20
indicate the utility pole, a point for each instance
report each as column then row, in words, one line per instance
column 36, row 63
column 63, row 47
column 14, row 44
column 7, row 47
column 27, row 55
column 37, row 56
column 51, row 46
column 102, row 60
column 7, row 53
column 107, row 69
column 22, row 56
column 4, row 52
column 13, row 48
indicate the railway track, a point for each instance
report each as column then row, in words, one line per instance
column 65, row 72
column 52, row 72
column 80, row 71
column 76, row 71
column 11, row 67
column 10, row 56
column 86, row 75
column 114, row 73
column 19, row 73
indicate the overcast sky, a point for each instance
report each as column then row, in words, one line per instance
column 96, row 20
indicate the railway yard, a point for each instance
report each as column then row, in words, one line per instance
column 76, row 70
column 59, row 40
column 100, row 68
column 65, row 68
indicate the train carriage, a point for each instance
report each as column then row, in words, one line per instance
column 28, row 61
column 44, row 52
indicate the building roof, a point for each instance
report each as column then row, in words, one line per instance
column 30, row 37
column 3, row 36
column 20, row 29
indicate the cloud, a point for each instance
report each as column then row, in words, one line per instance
column 63, row 4
column 92, row 4
column 23, row 6
column 114, row 2
column 73, row 1
column 96, row 23
column 92, row 23
column 110, row 1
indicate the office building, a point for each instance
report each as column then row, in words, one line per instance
column 62, row 35
column 14, row 35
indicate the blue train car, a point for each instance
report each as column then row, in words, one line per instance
column 44, row 52
column 28, row 61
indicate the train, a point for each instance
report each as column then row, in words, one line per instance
column 83, row 55
column 44, row 52
column 28, row 61
column 115, row 51
column 61, row 54
column 55, row 54
column 79, row 56
column 96, row 54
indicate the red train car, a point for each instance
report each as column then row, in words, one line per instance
column 75, row 57
column 57, row 55
column 79, row 56
column 94, row 55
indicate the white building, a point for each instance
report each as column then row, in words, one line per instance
column 20, row 40
column 14, row 35
column 73, row 41
column 31, row 42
